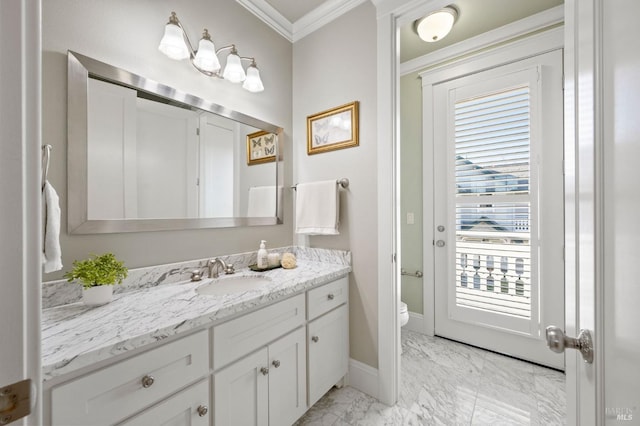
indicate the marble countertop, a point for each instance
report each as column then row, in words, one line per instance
column 74, row 335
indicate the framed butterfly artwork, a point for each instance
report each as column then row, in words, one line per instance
column 333, row 129
column 261, row 147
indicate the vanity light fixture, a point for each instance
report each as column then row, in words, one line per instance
column 176, row 45
column 436, row 25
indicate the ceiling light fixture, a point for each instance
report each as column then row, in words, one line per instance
column 436, row 25
column 176, row 45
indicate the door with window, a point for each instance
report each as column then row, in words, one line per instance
column 498, row 192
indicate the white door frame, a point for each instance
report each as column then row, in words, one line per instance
column 584, row 221
column 580, row 66
column 391, row 15
column 20, row 216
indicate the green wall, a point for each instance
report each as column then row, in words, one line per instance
column 411, row 189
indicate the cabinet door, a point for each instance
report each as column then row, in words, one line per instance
column 328, row 349
column 186, row 408
column 241, row 392
column 287, row 379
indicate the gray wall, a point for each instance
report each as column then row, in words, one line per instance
column 334, row 66
column 126, row 34
column 411, row 189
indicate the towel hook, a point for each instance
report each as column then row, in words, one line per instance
column 46, row 157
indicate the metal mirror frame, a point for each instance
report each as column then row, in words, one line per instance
column 80, row 69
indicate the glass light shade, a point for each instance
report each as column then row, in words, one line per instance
column 436, row 26
column 172, row 43
column 233, row 71
column 206, row 58
column 253, row 82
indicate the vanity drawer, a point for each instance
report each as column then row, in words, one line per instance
column 247, row 333
column 191, row 406
column 118, row 391
column 327, row 297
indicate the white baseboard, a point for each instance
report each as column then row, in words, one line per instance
column 416, row 323
column 363, row 377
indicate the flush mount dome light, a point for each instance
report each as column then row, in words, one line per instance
column 436, row 25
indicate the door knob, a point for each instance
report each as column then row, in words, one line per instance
column 558, row 341
column 440, row 243
column 440, row 228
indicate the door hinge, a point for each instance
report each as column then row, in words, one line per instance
column 15, row 401
column 393, row 258
column 198, row 131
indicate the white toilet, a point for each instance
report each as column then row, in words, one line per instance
column 404, row 314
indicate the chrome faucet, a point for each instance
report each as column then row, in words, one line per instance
column 214, row 270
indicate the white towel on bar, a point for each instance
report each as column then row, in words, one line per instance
column 52, row 254
column 262, row 201
column 317, row 208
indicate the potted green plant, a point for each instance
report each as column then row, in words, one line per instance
column 97, row 275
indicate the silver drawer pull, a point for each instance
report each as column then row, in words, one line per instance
column 276, row 363
column 147, row 381
column 203, row 410
column 330, row 296
column 264, row 371
column 315, row 338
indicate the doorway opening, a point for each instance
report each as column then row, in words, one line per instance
column 490, row 134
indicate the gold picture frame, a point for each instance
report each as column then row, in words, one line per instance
column 261, row 147
column 333, row 129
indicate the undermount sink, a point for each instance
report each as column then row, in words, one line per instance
column 230, row 285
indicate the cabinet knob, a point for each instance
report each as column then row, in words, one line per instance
column 315, row 338
column 330, row 296
column 264, row 371
column 276, row 363
column 147, row 381
column 203, row 410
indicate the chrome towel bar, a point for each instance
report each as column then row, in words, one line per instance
column 343, row 182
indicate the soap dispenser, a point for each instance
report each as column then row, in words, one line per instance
column 263, row 256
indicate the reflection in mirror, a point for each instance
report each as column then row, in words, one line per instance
column 143, row 156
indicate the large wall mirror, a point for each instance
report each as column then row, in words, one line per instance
column 143, row 156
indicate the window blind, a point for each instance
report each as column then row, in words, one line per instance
column 492, row 175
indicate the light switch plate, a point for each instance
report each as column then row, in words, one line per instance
column 410, row 218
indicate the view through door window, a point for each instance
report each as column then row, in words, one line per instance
column 493, row 202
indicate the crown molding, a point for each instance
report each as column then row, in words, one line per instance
column 270, row 16
column 304, row 26
column 491, row 38
column 321, row 16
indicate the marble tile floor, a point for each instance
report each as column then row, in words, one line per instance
column 448, row 383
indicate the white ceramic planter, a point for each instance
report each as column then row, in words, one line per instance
column 100, row 295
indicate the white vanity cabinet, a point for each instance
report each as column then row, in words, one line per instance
column 268, row 386
column 111, row 394
column 327, row 337
column 265, row 367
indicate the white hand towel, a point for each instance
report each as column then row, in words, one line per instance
column 317, row 208
column 262, row 201
column 52, row 254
